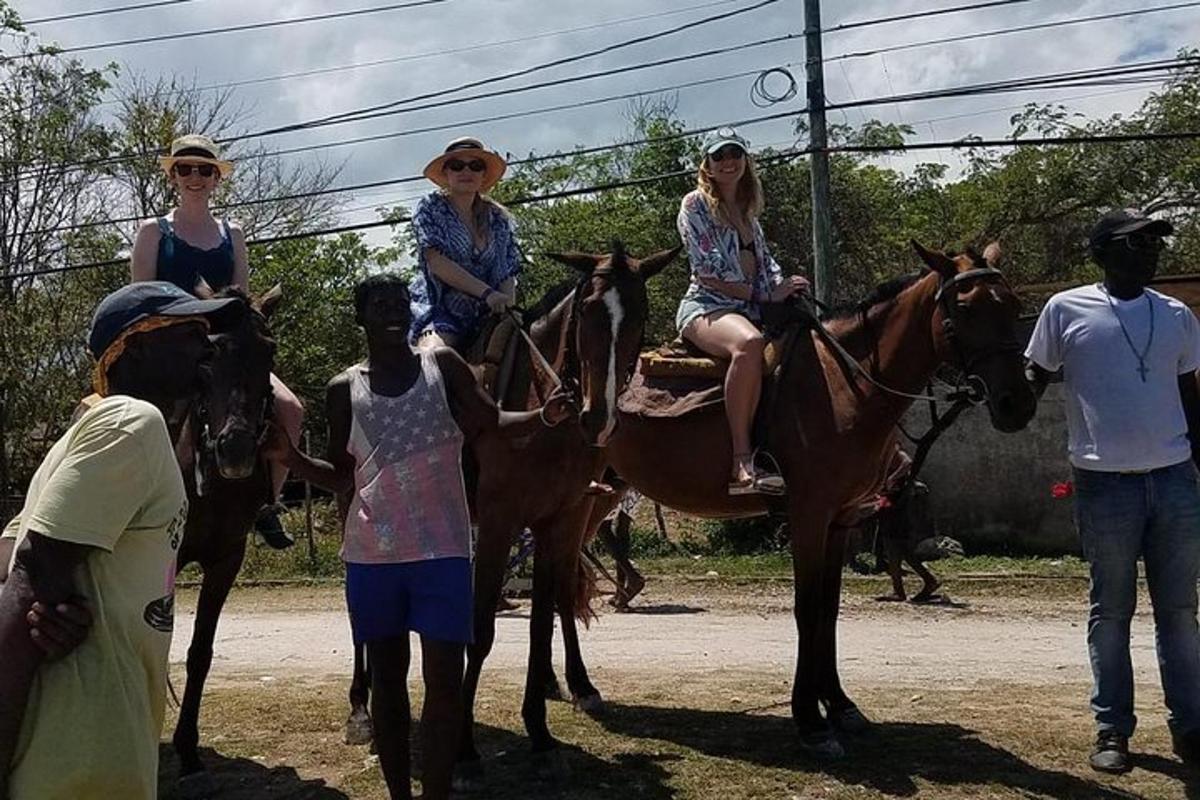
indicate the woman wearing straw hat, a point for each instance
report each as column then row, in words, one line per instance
column 466, row 249
column 190, row 248
column 732, row 276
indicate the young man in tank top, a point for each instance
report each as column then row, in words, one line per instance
column 1127, row 353
column 397, row 424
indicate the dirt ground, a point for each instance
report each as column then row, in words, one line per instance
column 985, row 697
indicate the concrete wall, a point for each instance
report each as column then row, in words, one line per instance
column 991, row 490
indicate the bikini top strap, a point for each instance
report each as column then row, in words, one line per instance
column 168, row 237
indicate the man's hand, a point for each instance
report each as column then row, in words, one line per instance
column 58, row 630
column 559, row 406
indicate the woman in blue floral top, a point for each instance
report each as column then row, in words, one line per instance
column 732, row 275
column 466, row 249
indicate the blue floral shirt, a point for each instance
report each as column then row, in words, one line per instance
column 442, row 308
column 712, row 249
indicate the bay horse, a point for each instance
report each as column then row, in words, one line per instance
column 590, row 335
column 226, row 487
column 830, row 424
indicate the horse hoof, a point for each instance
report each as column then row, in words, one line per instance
column 591, row 704
column 196, row 786
column 822, row 746
column 554, row 690
column 851, row 720
column 358, row 727
column 467, row 778
column 551, row 766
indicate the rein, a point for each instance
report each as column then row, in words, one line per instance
column 971, row 392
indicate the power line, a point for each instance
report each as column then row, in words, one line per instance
column 767, row 162
column 252, row 26
column 966, row 37
column 416, row 178
column 99, row 12
column 447, row 52
column 95, row 162
column 369, row 112
column 846, row 26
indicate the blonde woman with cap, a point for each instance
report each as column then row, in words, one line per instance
column 732, row 276
column 191, row 248
column 466, row 248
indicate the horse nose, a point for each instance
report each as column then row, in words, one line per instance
column 236, row 453
column 1014, row 409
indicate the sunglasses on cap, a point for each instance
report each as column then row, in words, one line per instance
column 184, row 170
column 458, row 165
column 728, row 151
column 1141, row 241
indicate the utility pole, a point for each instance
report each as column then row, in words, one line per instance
column 823, row 276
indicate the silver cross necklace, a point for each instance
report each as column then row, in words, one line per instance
column 1141, row 357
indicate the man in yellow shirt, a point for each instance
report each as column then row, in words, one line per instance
column 102, row 520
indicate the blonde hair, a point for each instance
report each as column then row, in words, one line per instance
column 749, row 195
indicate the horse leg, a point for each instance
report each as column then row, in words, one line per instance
column 214, row 589
column 541, row 634
column 809, row 531
column 358, row 725
column 584, row 694
column 632, row 582
column 491, row 559
column 840, row 710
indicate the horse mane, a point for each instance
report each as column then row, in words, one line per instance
column 550, row 300
column 883, row 293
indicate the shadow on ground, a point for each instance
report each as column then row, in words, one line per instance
column 890, row 760
column 239, row 779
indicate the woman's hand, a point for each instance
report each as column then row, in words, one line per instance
column 790, row 286
column 498, row 302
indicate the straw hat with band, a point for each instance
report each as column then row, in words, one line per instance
column 195, row 149
column 467, row 149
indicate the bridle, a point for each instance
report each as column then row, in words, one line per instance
column 966, row 362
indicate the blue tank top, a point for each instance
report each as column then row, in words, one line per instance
column 184, row 265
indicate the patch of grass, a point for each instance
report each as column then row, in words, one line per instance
column 701, row 736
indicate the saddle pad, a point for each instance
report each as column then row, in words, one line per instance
column 664, row 397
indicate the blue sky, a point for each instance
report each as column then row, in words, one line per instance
column 460, row 24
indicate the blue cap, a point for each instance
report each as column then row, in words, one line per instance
column 717, row 139
column 137, row 301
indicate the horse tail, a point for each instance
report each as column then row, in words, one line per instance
column 586, row 590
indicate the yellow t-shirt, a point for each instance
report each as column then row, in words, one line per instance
column 92, row 725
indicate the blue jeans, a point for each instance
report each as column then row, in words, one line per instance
column 1155, row 515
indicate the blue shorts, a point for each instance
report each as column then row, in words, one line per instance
column 433, row 598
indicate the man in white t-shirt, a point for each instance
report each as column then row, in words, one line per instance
column 1127, row 352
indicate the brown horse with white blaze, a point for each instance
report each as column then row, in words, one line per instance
column 589, row 335
column 830, row 423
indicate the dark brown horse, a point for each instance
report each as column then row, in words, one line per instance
column 592, row 335
column 227, row 486
column 830, row 425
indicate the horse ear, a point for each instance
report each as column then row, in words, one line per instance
column 270, row 301
column 992, row 254
column 939, row 262
column 584, row 263
column 652, row 265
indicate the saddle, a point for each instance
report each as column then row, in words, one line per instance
column 676, row 379
column 492, row 353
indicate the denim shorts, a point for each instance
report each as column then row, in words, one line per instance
column 433, row 598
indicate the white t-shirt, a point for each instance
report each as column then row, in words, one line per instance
column 1115, row 421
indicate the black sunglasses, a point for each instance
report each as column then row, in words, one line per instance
column 728, row 151
column 184, row 170
column 1141, row 241
column 458, row 165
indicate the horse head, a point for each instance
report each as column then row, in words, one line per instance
column 236, row 401
column 608, row 321
column 974, row 329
